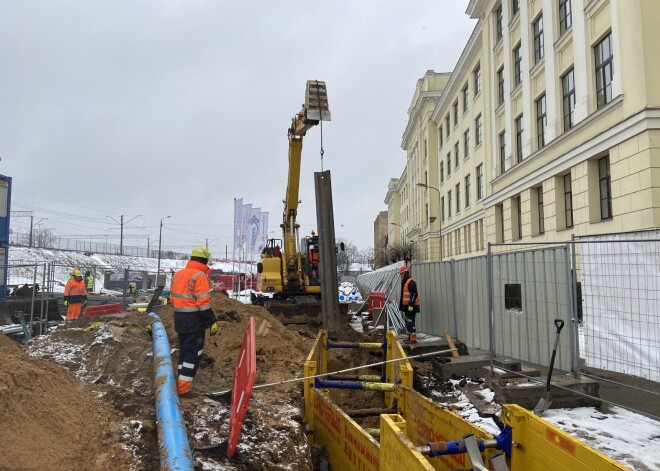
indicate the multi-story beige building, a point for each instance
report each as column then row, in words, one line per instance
column 549, row 126
column 380, row 235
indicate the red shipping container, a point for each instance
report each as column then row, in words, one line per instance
column 376, row 300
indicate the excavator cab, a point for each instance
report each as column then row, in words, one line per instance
column 310, row 250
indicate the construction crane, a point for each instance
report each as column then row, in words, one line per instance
column 292, row 274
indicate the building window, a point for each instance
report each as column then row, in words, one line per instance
column 478, row 132
column 458, row 198
column 500, row 86
column 466, row 98
column 477, row 81
column 456, row 113
column 442, row 171
column 499, row 223
column 539, row 51
column 605, row 188
column 440, row 138
column 541, row 122
column 448, row 164
column 518, row 207
column 449, row 203
column 457, row 158
column 568, row 201
column 603, row 53
column 519, row 140
column 442, row 208
column 517, row 65
column 480, row 181
column 499, row 23
column 568, row 92
column 515, row 7
column 539, row 201
column 447, row 125
column 467, row 191
column 466, row 144
column 502, row 152
column 565, row 16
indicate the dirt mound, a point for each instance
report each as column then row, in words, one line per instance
column 50, row 421
column 113, row 355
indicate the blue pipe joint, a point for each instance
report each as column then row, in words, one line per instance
column 449, row 448
column 173, row 442
column 319, row 383
column 505, row 440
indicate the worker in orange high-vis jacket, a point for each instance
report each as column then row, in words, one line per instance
column 75, row 295
column 409, row 303
column 190, row 294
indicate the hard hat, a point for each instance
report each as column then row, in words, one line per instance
column 201, row 252
column 76, row 272
column 403, row 269
column 313, row 232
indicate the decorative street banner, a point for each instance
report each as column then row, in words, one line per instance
column 238, row 211
column 263, row 237
column 254, row 229
column 246, row 212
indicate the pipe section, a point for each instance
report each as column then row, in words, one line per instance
column 173, row 443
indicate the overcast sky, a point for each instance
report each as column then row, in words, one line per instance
column 175, row 108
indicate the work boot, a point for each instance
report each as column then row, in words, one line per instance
column 189, row 395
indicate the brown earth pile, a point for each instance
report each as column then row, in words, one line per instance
column 87, row 401
column 49, row 421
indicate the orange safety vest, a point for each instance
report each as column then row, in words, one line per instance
column 191, row 290
column 76, row 291
column 406, row 295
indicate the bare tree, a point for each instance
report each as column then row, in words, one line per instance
column 41, row 237
column 396, row 252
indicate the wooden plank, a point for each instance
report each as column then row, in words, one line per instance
column 451, row 343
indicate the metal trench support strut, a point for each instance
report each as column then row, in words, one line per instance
column 173, row 442
column 473, row 448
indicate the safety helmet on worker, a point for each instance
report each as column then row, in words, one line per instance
column 403, row 269
column 201, row 252
column 76, row 272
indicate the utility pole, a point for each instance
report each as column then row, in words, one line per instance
column 121, row 230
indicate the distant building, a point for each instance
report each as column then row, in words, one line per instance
column 548, row 127
column 380, row 235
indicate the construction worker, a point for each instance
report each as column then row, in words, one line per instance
column 89, row 282
column 75, row 295
column 191, row 296
column 409, row 302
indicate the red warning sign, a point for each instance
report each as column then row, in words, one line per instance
column 244, row 372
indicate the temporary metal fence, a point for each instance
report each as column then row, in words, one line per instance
column 74, row 245
column 506, row 302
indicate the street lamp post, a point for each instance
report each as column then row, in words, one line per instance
column 402, row 230
column 160, row 241
column 424, row 185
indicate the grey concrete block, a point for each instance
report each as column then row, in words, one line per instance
column 526, row 393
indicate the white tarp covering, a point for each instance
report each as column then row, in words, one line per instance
column 621, row 303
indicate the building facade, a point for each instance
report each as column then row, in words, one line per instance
column 548, row 127
column 380, row 235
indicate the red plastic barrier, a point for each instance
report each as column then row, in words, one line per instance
column 241, row 391
column 376, row 300
column 102, row 309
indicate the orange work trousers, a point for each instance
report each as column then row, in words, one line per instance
column 73, row 312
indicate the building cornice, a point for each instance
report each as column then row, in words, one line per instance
column 645, row 120
column 475, row 8
column 475, row 216
column 472, row 48
column 415, row 117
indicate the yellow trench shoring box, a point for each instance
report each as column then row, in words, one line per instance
column 537, row 444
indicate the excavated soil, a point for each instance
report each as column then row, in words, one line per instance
column 82, row 397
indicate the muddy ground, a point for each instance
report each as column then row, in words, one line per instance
column 82, row 396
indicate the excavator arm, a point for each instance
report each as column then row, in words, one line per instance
column 314, row 110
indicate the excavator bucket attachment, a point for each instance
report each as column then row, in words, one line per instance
column 316, row 101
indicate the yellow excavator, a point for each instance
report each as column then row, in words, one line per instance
column 289, row 269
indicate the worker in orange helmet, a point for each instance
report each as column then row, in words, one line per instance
column 190, row 293
column 409, row 302
column 75, row 295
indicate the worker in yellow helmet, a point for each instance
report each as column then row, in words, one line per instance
column 75, row 295
column 190, row 295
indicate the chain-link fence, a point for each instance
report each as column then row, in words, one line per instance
column 86, row 246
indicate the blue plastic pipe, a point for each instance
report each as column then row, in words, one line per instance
column 173, row 443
